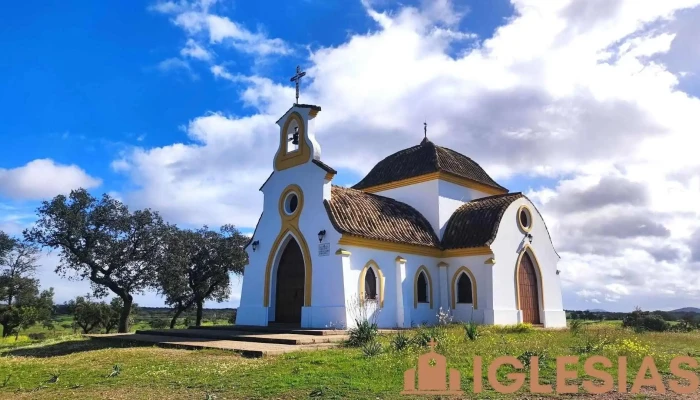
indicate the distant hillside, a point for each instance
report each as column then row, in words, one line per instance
column 597, row 310
column 687, row 310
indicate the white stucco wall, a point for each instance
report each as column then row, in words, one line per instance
column 327, row 289
column 450, row 198
column 507, row 247
column 421, row 196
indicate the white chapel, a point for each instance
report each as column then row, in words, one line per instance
column 426, row 229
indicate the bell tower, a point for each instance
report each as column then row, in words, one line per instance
column 297, row 143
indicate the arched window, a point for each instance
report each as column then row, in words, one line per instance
column 464, row 289
column 422, row 288
column 370, row 285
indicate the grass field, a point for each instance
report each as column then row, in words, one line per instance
column 74, row 368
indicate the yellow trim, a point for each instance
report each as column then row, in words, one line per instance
column 400, row 259
column 415, row 286
column 475, row 298
column 443, row 264
column 342, row 252
column 380, row 277
column 490, row 261
column 290, row 226
column 329, row 176
column 524, row 229
column 302, row 155
column 348, row 240
column 540, row 286
column 445, row 176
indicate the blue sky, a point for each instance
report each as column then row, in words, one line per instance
column 164, row 104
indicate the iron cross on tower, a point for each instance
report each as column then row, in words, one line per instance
column 297, row 80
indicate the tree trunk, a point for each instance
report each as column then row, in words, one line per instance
column 200, row 305
column 124, row 316
column 173, row 321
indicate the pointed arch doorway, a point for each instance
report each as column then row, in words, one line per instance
column 289, row 291
column 528, row 290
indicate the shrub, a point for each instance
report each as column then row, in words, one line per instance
column 422, row 337
column 575, row 326
column 363, row 333
column 470, row 329
column 372, row 349
column 400, row 341
column 232, row 318
column 159, row 323
column 642, row 321
column 519, row 328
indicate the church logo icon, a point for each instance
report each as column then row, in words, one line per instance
column 432, row 376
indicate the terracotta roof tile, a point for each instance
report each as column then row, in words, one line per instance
column 475, row 224
column 424, row 159
column 376, row 217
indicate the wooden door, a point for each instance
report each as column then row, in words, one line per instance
column 290, row 285
column 528, row 291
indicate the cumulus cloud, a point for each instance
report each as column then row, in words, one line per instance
column 43, row 178
column 584, row 93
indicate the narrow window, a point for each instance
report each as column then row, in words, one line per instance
column 370, row 285
column 422, row 288
column 464, row 289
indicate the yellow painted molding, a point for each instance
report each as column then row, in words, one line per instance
column 329, row 176
column 342, row 252
column 443, row 264
column 538, row 272
column 290, row 226
column 490, row 261
column 472, row 251
column 524, row 229
column 285, row 159
column 445, row 176
column 380, row 278
column 400, row 259
column 415, row 286
column 475, row 298
column 349, row 240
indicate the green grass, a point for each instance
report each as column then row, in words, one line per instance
column 83, row 366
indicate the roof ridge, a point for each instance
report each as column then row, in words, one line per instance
column 495, row 196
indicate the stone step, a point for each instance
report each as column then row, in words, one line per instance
column 281, row 328
column 247, row 349
column 245, row 336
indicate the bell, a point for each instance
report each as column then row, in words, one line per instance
column 295, row 136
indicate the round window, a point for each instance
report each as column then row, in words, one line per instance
column 291, row 203
column 524, row 218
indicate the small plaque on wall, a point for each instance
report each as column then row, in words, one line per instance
column 324, row 249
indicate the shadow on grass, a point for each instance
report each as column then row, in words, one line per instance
column 71, row 347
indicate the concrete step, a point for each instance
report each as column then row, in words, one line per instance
column 245, row 336
column 281, row 328
column 248, row 349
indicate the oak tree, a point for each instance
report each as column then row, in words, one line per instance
column 101, row 240
column 196, row 266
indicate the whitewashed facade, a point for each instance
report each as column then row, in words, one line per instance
column 319, row 279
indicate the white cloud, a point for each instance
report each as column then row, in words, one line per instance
column 175, row 64
column 194, row 50
column 43, row 178
column 197, row 20
column 579, row 92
